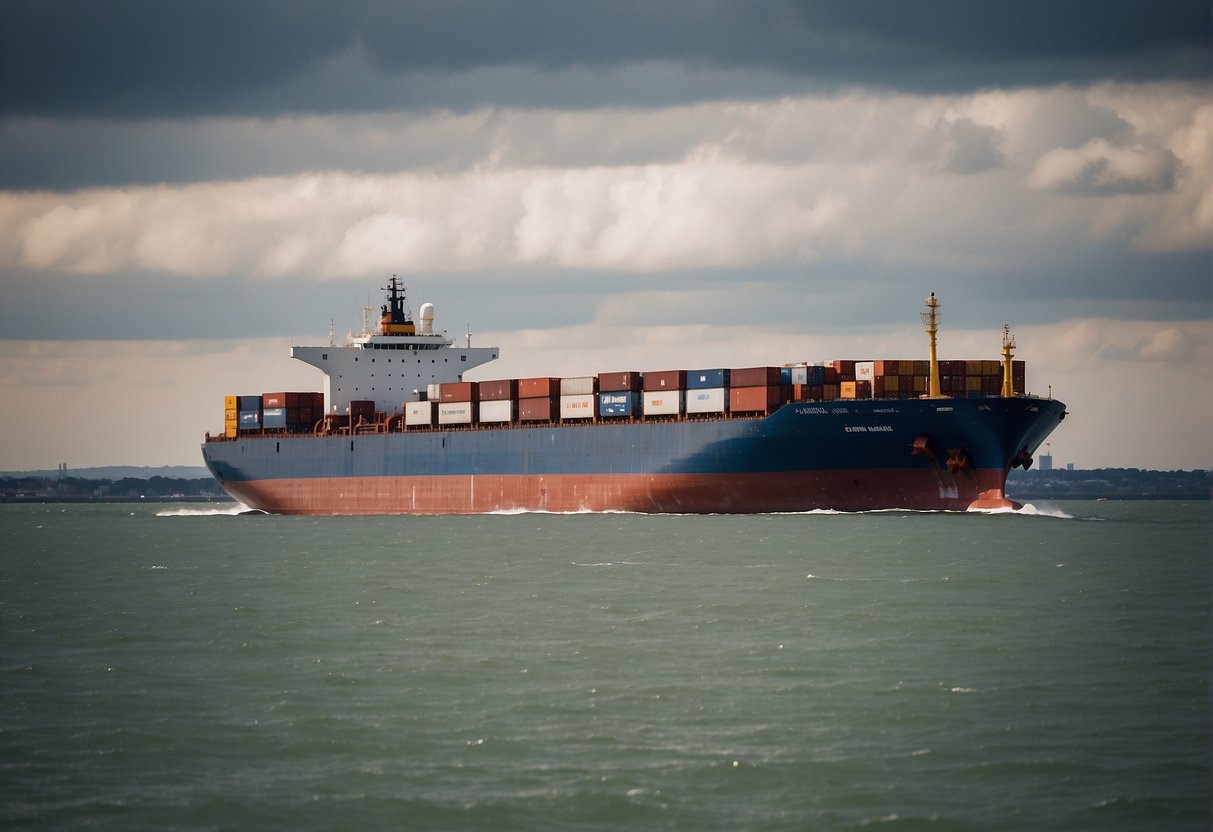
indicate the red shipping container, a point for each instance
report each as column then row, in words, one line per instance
column 845, row 370
column 538, row 388
column 537, row 409
column 665, row 380
column 754, row 399
column 755, row 377
column 459, row 391
column 625, row 382
column 499, row 390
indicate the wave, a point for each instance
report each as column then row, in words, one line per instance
column 226, row 510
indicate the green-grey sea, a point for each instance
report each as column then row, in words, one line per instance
column 184, row 667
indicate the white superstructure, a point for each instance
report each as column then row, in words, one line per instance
column 393, row 366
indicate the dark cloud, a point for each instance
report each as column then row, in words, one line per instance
column 136, row 58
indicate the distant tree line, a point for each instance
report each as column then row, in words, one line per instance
column 1118, row 483
column 127, row 488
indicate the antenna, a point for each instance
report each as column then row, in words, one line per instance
column 469, row 335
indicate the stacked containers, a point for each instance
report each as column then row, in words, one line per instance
column 755, row 390
column 707, row 391
column 577, row 397
column 457, row 403
column 231, row 416
column 814, row 383
column 497, row 400
column 294, row 412
column 663, row 392
column 248, row 413
column 538, row 399
column 619, row 394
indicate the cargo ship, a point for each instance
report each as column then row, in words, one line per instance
column 398, row 429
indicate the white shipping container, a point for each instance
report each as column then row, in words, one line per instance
column 433, row 392
column 710, row 400
column 577, row 386
column 576, row 407
column 497, row 411
column 800, row 374
column 455, row 413
column 865, row 370
column 419, row 413
column 663, row 403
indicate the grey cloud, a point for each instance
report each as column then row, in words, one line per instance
column 138, row 58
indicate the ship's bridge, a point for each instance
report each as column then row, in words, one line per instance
column 393, row 366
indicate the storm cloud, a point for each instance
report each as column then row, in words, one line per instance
column 145, row 58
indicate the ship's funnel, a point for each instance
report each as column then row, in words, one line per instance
column 427, row 319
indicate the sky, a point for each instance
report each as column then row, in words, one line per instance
column 186, row 190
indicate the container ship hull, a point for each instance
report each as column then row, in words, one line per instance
column 853, row 455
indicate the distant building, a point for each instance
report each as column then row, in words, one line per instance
column 1046, row 462
column 1069, row 466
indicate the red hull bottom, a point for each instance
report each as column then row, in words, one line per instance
column 647, row 493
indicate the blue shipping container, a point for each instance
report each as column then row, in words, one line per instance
column 247, row 403
column 274, row 417
column 250, row 419
column 618, row 404
column 706, row 379
column 785, row 375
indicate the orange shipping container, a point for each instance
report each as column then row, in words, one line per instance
column 538, row 388
column 753, row 399
column 755, row 377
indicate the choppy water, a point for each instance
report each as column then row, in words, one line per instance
column 163, row 668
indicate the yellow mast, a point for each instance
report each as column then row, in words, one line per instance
column 931, row 319
column 1008, row 349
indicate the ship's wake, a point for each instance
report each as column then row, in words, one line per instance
column 226, row 510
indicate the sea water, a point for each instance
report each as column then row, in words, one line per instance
column 170, row 667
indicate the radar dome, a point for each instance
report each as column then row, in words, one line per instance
column 427, row 319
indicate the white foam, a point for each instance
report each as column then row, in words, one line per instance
column 228, row 509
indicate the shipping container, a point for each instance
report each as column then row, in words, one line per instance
column 231, row 415
column 417, row 414
column 662, row 402
column 362, row 409
column 495, row 410
column 580, row 406
column 755, row 377
column 707, row 379
column 537, row 409
column 620, row 382
column 798, row 375
column 273, row 417
column 865, row 371
column 664, row 380
column 247, row 403
column 619, row 403
column 579, row 386
column 855, row 389
column 707, row 400
column 433, row 392
column 538, row 388
column 845, row 370
column 250, row 419
column 230, row 430
column 456, row 413
column 231, row 402
column 497, row 390
column 754, row 399
column 458, row 391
